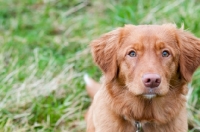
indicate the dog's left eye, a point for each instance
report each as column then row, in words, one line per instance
column 165, row 53
column 132, row 54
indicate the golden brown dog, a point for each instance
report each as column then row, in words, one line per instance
column 146, row 71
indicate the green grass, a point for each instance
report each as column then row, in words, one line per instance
column 44, row 54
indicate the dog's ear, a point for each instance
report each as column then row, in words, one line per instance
column 104, row 52
column 189, row 54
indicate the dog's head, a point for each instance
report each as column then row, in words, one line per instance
column 148, row 60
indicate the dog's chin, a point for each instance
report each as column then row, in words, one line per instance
column 150, row 95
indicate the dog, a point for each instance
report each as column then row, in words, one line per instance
column 146, row 69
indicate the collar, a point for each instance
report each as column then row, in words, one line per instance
column 138, row 126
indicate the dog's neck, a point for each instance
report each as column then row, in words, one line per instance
column 136, row 124
column 151, row 110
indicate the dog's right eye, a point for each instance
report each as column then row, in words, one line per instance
column 132, row 54
column 165, row 53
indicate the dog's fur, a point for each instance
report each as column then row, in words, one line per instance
column 123, row 98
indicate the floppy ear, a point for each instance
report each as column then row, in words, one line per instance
column 190, row 54
column 104, row 52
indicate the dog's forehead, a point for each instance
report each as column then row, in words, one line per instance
column 141, row 33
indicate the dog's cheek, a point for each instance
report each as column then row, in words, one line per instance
column 169, row 77
column 134, row 81
column 121, row 77
column 125, row 76
column 124, row 73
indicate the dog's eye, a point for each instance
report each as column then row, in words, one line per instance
column 165, row 53
column 132, row 54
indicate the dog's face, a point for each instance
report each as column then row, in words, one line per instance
column 148, row 60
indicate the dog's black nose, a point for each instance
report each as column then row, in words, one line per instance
column 151, row 80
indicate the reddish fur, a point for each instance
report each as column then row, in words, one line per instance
column 120, row 100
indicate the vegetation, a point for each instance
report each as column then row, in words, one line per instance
column 44, row 54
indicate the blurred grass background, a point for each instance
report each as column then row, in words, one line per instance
column 44, row 54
